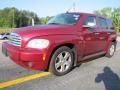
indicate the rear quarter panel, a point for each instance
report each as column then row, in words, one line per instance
column 112, row 37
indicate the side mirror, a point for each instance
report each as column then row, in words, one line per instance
column 89, row 25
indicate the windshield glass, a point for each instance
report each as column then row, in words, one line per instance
column 66, row 18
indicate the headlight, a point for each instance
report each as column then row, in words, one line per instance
column 38, row 43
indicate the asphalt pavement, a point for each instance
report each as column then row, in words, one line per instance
column 98, row 74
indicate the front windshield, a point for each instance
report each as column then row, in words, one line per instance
column 66, row 18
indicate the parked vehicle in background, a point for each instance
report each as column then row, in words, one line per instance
column 4, row 36
column 0, row 36
column 66, row 40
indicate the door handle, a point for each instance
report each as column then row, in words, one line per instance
column 97, row 33
column 108, row 33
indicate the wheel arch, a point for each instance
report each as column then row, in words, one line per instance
column 69, row 45
column 115, row 41
column 110, row 40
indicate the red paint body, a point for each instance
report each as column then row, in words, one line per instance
column 85, row 41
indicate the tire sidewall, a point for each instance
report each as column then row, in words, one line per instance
column 108, row 53
column 53, row 59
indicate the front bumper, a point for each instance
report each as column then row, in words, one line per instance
column 28, row 58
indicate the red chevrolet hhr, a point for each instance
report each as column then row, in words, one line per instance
column 62, row 43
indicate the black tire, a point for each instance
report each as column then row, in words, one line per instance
column 108, row 54
column 52, row 67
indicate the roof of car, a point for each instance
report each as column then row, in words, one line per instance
column 82, row 13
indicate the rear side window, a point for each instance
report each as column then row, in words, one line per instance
column 103, row 23
column 91, row 20
column 110, row 24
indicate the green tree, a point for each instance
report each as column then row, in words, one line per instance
column 12, row 17
column 44, row 20
column 106, row 12
column 116, row 18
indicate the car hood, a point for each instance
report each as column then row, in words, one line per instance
column 44, row 30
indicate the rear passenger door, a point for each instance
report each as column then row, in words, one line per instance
column 103, row 35
column 111, row 29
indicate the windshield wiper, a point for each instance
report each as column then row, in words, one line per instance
column 54, row 23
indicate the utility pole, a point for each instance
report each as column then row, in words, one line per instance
column 31, row 19
column 13, row 21
column 33, row 22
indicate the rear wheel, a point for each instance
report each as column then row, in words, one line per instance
column 111, row 50
column 61, row 61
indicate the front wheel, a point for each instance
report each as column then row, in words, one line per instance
column 61, row 61
column 111, row 50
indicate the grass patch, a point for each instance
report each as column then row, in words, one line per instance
column 5, row 30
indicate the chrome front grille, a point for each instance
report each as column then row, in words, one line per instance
column 15, row 39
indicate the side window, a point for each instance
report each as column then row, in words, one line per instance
column 110, row 25
column 102, row 23
column 91, row 20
